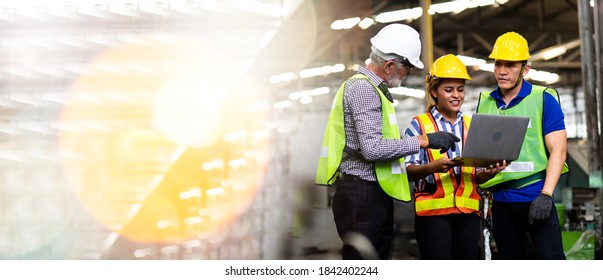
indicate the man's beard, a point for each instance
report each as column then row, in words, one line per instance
column 394, row 81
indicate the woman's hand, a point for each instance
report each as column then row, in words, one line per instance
column 442, row 165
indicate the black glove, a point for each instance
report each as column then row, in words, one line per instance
column 540, row 208
column 442, row 140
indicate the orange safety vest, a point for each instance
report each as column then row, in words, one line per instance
column 452, row 196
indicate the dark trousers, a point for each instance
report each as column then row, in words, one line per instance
column 448, row 237
column 363, row 207
column 509, row 228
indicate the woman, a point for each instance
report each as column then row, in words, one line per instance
column 447, row 202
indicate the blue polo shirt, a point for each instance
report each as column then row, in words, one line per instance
column 553, row 120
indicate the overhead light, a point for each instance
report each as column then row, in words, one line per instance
column 321, row 71
column 282, row 104
column 542, row 76
column 308, row 93
column 259, row 7
column 440, row 8
column 284, row 77
column 471, row 61
column 319, row 91
column 188, row 194
column 345, row 23
column 399, row 15
column 257, row 134
column 412, row 92
column 215, row 191
column 305, row 99
column 486, row 67
column 448, row 7
column 366, row 23
column 555, row 51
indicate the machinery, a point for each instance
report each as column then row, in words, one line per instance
column 580, row 218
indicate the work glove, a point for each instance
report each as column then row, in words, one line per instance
column 540, row 208
column 442, row 140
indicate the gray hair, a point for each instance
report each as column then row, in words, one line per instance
column 376, row 59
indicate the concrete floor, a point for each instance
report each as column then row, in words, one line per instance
column 317, row 239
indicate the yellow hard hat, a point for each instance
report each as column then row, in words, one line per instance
column 510, row 46
column 448, row 66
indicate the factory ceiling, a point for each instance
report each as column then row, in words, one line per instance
column 471, row 32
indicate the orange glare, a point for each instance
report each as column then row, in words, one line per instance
column 143, row 142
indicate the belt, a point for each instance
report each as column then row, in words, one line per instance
column 348, row 177
column 353, row 178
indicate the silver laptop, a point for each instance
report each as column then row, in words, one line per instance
column 492, row 139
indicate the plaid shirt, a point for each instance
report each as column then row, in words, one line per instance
column 362, row 118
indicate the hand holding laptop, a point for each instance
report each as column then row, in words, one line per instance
column 443, row 164
column 487, row 173
column 492, row 139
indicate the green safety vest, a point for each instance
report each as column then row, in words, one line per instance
column 391, row 175
column 531, row 165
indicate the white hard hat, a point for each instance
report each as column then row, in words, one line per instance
column 398, row 40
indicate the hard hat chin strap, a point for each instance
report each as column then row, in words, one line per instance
column 523, row 64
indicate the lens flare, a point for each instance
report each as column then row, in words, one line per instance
column 144, row 147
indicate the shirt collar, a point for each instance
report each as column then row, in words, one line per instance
column 438, row 116
column 525, row 90
column 377, row 81
column 372, row 76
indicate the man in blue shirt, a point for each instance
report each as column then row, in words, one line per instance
column 523, row 192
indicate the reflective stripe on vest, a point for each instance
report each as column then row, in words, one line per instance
column 533, row 157
column 391, row 175
column 447, row 198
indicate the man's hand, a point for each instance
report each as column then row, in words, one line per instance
column 540, row 208
column 442, row 140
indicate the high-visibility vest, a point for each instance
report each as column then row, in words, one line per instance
column 452, row 195
column 533, row 159
column 391, row 175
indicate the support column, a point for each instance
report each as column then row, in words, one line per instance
column 426, row 38
column 598, row 178
column 589, row 83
